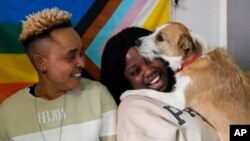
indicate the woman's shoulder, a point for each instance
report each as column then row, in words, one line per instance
column 91, row 87
column 96, row 93
column 134, row 100
column 89, row 83
column 139, row 104
column 17, row 95
column 17, row 99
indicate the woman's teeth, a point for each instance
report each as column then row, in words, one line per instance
column 77, row 75
column 155, row 80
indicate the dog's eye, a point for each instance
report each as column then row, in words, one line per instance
column 159, row 38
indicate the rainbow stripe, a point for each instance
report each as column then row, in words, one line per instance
column 95, row 21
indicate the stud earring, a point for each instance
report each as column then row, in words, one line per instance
column 44, row 71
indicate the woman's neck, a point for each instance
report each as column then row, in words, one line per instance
column 47, row 92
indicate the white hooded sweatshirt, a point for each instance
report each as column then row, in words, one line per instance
column 144, row 119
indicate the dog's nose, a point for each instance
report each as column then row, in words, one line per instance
column 138, row 43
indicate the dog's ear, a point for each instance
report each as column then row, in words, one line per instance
column 185, row 42
column 198, row 39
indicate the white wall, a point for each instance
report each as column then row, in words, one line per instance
column 238, row 22
column 205, row 17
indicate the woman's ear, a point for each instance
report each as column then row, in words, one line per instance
column 40, row 63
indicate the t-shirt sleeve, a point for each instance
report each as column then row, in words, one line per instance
column 109, row 112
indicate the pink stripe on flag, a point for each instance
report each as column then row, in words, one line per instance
column 130, row 16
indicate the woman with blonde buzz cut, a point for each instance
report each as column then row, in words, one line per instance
column 61, row 106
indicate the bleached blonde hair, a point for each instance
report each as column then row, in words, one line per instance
column 43, row 21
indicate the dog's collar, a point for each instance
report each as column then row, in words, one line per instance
column 188, row 62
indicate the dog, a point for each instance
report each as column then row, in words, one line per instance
column 207, row 80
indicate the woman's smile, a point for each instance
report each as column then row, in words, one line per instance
column 156, row 82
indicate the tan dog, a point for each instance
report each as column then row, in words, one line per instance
column 210, row 83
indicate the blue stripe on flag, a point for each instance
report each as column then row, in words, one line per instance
column 15, row 11
column 103, row 35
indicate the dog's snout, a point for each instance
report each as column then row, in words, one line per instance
column 138, row 42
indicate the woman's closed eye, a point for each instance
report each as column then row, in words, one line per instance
column 134, row 71
column 71, row 57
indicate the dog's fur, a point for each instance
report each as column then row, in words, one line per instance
column 212, row 85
